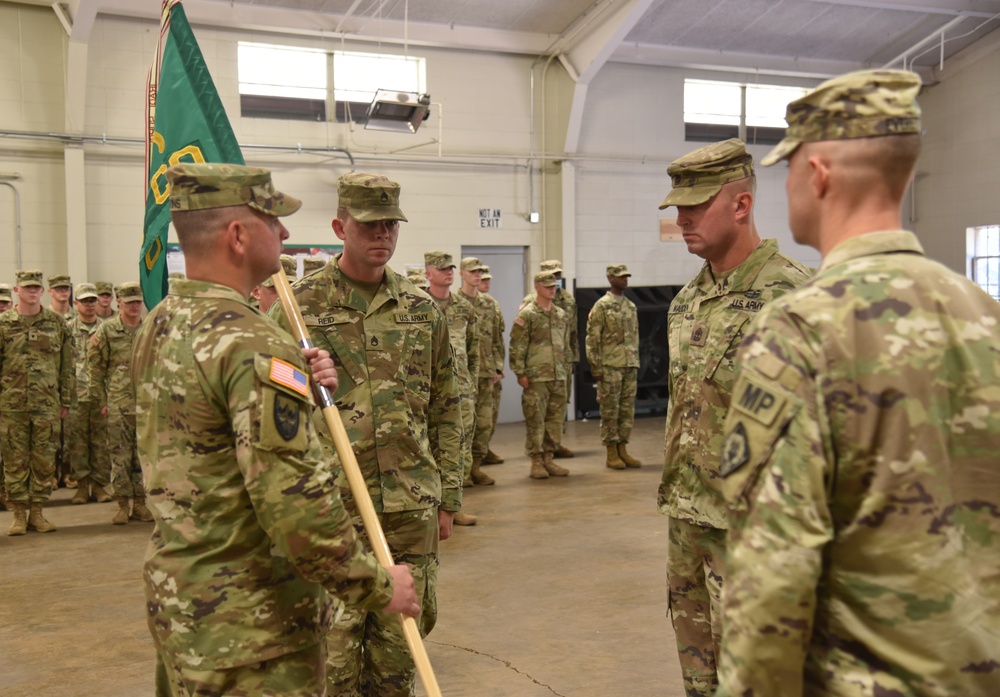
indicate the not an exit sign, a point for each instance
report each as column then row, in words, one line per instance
column 489, row 218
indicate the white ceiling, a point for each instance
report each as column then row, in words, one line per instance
column 799, row 37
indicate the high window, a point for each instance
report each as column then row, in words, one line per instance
column 715, row 110
column 357, row 76
column 983, row 245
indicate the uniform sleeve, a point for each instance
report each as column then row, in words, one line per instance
column 97, row 368
column 444, row 420
column 595, row 329
column 571, row 352
column 775, row 467
column 519, row 333
column 472, row 344
column 571, row 319
column 292, row 489
column 499, row 350
column 67, row 369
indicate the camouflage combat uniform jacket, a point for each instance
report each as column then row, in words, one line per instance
column 36, row 363
column 612, row 334
column 248, row 527
column 539, row 344
column 705, row 324
column 499, row 349
column 397, row 393
column 463, row 333
column 565, row 301
column 82, row 333
column 486, row 331
column 108, row 360
column 862, row 461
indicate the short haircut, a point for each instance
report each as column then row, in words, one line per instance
column 196, row 229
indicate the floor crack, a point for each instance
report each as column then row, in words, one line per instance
column 505, row 663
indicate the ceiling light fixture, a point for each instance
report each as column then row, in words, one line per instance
column 400, row 112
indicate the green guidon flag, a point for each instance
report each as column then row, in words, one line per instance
column 187, row 123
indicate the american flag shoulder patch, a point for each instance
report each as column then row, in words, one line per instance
column 286, row 374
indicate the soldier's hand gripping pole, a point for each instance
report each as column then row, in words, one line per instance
column 357, row 483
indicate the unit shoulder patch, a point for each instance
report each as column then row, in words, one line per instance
column 735, row 451
column 286, row 416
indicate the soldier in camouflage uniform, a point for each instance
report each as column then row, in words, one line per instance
column 399, row 401
column 472, row 270
column 500, row 358
column 108, row 361
column 105, row 294
column 6, row 297
column 60, row 293
column 713, row 189
column 565, row 301
column 613, row 354
column 37, row 389
column 87, row 427
column 264, row 292
column 861, row 451
column 539, row 354
column 250, row 535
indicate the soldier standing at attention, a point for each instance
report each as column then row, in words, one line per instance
column 472, row 270
column 60, row 292
column 250, row 533
column 463, row 333
column 861, row 451
column 539, row 354
column 613, row 354
column 399, row 401
column 499, row 358
column 104, row 297
column 713, row 189
column 111, row 392
column 87, row 427
column 265, row 293
column 6, row 297
column 36, row 391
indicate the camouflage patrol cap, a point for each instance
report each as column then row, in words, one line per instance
column 289, row 266
column 59, row 280
column 6, row 292
column 28, row 278
column 553, row 265
column 439, row 260
column 127, row 292
column 103, row 287
column 546, row 278
column 198, row 186
column 417, row 278
column 175, row 274
column 472, row 264
column 310, row 264
column 863, row 104
column 618, row 270
column 486, row 273
column 701, row 174
column 369, row 197
column 84, row 291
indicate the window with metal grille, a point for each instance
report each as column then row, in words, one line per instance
column 983, row 254
column 715, row 110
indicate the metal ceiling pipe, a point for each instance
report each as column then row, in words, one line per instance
column 17, row 218
column 923, row 42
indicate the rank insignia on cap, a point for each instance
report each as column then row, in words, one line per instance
column 288, row 375
column 735, row 451
column 286, row 416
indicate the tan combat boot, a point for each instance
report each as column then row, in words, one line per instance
column 538, row 467
column 551, row 467
column 626, row 458
column 37, row 522
column 82, row 492
column 139, row 510
column 19, row 525
column 614, row 461
column 492, row 458
column 99, row 493
column 121, row 515
column 464, row 519
column 562, row 451
column 480, row 477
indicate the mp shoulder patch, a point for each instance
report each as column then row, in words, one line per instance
column 735, row 451
column 757, row 400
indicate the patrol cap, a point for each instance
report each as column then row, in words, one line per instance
column 310, row 264
column 289, row 266
column 28, row 278
column 6, row 292
column 439, row 260
column 553, row 265
column 618, row 270
column 369, row 197
column 486, row 273
column 104, row 288
column 175, row 274
column 60, row 280
column 863, row 104
column 472, row 264
column 84, row 291
column 127, row 292
column 199, row 186
column 546, row 278
column 701, row 174
column 417, row 278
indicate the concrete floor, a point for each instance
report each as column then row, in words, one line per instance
column 558, row 592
